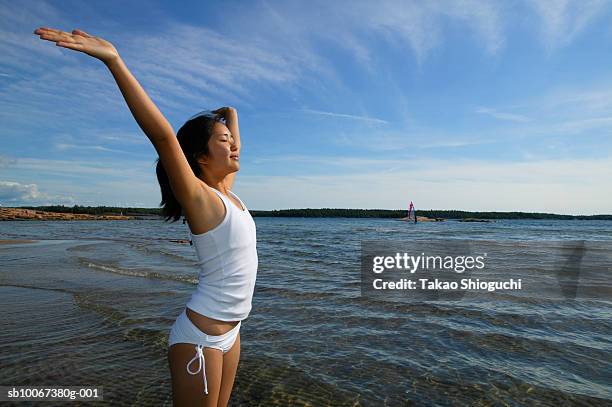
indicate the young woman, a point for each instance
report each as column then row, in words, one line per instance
column 196, row 170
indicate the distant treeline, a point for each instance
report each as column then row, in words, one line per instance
column 446, row 214
column 327, row 213
column 505, row 215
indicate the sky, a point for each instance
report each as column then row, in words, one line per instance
column 467, row 105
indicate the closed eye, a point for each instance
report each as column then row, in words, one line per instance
column 225, row 138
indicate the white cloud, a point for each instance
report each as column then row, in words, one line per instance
column 328, row 161
column 219, row 67
column 117, row 136
column 503, row 116
column 417, row 25
column 346, row 116
column 11, row 191
column 422, row 23
column 14, row 193
column 411, row 139
column 562, row 111
column 580, row 126
column 65, row 146
column 564, row 20
column 578, row 101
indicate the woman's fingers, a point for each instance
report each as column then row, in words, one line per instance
column 81, row 33
column 61, row 39
column 53, row 35
column 66, row 40
column 53, row 31
column 40, row 30
column 49, row 31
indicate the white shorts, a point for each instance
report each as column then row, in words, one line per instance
column 184, row 331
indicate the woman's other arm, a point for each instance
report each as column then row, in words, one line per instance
column 231, row 121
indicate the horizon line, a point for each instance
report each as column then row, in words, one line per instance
column 326, row 208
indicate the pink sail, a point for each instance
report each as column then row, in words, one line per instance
column 411, row 213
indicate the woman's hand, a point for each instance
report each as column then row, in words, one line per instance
column 80, row 41
column 224, row 111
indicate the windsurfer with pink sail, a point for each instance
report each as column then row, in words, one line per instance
column 411, row 214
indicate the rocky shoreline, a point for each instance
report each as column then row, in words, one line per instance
column 33, row 214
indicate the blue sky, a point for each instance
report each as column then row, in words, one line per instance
column 471, row 105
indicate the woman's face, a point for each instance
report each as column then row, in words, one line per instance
column 222, row 156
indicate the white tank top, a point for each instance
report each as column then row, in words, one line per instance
column 227, row 262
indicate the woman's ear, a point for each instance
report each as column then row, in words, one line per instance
column 202, row 159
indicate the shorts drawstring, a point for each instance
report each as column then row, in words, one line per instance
column 200, row 356
column 184, row 331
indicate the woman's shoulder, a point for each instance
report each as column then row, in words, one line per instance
column 205, row 213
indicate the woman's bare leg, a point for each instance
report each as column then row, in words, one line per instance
column 188, row 389
column 230, row 365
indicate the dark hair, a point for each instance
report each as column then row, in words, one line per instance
column 193, row 137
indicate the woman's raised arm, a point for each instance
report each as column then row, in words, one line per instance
column 231, row 121
column 183, row 181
